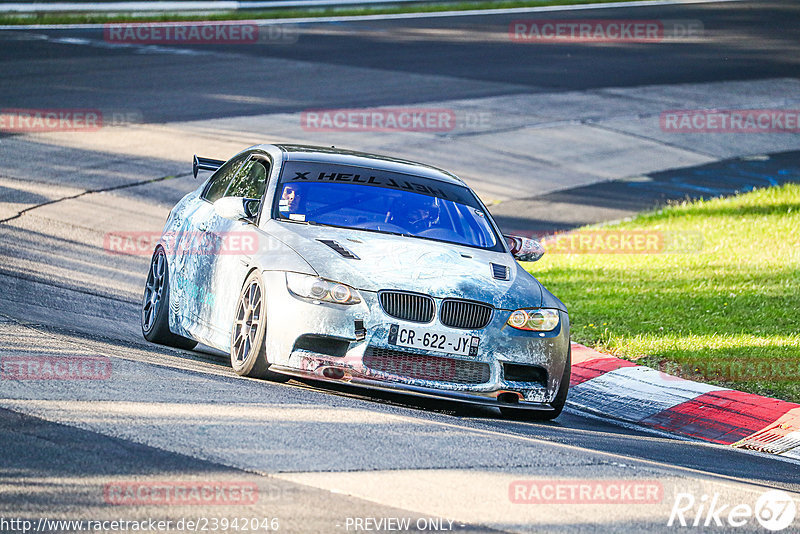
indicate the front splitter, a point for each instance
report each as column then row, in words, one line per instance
column 478, row 398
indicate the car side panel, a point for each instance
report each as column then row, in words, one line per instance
column 179, row 225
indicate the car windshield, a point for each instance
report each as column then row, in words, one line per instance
column 381, row 201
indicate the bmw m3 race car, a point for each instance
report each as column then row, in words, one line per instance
column 342, row 266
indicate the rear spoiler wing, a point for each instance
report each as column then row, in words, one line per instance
column 205, row 164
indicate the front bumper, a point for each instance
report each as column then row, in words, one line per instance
column 356, row 331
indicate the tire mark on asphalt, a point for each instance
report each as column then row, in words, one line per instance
column 92, row 191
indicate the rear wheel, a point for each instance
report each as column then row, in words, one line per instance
column 155, row 306
column 558, row 402
column 248, row 350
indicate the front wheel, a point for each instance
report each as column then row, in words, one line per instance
column 155, row 306
column 248, row 351
column 558, row 403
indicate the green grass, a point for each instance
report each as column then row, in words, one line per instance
column 100, row 18
column 727, row 314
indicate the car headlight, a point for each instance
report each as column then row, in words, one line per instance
column 315, row 288
column 537, row 320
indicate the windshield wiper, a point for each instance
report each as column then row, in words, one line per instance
column 314, row 223
column 309, row 223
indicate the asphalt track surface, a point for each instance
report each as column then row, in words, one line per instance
column 318, row 455
column 420, row 60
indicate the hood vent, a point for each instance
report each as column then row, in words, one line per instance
column 501, row 272
column 339, row 248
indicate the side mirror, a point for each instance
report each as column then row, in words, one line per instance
column 251, row 206
column 237, row 208
column 524, row 248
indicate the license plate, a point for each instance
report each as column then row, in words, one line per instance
column 427, row 339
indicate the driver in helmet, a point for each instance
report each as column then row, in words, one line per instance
column 290, row 200
column 416, row 216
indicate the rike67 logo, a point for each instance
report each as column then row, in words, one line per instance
column 774, row 510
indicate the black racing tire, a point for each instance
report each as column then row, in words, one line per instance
column 248, row 332
column 557, row 404
column 155, row 306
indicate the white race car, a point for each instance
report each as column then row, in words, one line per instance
column 343, row 266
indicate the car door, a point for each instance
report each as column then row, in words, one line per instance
column 191, row 253
column 176, row 240
column 230, row 244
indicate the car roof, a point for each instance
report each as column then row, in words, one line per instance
column 363, row 159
